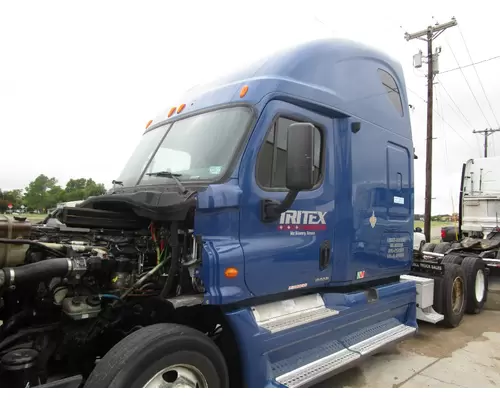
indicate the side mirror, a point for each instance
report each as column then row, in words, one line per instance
column 300, row 157
column 299, row 170
column 418, row 229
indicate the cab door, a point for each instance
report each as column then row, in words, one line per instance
column 293, row 252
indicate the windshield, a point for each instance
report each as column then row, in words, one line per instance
column 199, row 147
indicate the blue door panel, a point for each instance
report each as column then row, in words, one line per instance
column 299, row 234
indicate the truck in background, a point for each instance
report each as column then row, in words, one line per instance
column 262, row 236
column 480, row 205
column 478, row 230
column 479, row 202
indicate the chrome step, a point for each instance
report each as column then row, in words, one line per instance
column 326, row 365
column 282, row 315
column 375, row 342
column 309, row 372
column 429, row 315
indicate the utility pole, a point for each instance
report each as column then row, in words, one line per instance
column 486, row 133
column 429, row 35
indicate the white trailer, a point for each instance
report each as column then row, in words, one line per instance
column 480, row 200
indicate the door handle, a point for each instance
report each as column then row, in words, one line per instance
column 324, row 254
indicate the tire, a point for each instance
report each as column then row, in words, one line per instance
column 452, row 259
column 442, row 248
column 477, row 284
column 137, row 358
column 453, row 312
column 429, row 247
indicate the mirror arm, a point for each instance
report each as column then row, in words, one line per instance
column 271, row 210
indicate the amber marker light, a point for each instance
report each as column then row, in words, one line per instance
column 231, row 273
column 149, row 123
column 181, row 107
column 172, row 110
column 243, row 91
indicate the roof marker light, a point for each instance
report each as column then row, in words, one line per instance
column 172, row 110
column 181, row 107
column 243, row 91
column 149, row 123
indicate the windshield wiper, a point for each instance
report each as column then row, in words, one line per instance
column 168, row 174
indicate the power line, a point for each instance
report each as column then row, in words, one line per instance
column 477, row 74
column 446, row 159
column 484, row 91
column 440, row 116
column 469, row 65
column 439, row 105
column 453, row 101
column 468, row 84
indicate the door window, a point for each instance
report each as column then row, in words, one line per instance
column 271, row 165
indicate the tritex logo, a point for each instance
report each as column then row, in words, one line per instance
column 360, row 274
column 302, row 223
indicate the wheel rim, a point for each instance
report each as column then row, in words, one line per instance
column 457, row 292
column 479, row 285
column 178, row 376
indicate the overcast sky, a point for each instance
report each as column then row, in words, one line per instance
column 79, row 80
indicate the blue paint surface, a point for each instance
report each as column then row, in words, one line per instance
column 366, row 196
column 266, row 356
column 332, row 83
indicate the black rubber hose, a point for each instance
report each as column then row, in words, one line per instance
column 13, row 321
column 38, row 271
column 33, row 243
column 15, row 337
column 174, row 264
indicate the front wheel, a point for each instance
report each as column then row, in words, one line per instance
column 162, row 356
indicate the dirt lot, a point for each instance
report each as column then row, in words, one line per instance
column 467, row 356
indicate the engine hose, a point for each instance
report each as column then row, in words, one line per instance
column 142, row 280
column 174, row 265
column 38, row 271
column 13, row 321
column 19, row 335
column 48, row 249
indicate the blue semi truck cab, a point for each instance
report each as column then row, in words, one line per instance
column 261, row 234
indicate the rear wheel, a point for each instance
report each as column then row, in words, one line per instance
column 452, row 259
column 454, row 295
column 162, row 356
column 477, row 284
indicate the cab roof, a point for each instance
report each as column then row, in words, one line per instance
column 339, row 75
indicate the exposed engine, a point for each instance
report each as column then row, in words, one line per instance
column 72, row 288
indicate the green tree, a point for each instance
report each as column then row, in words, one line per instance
column 75, row 184
column 14, row 197
column 42, row 193
column 80, row 189
column 94, row 189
